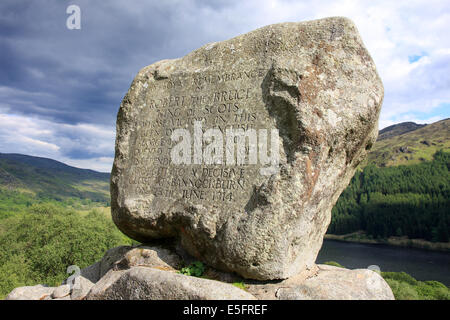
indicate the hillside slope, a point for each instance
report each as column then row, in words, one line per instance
column 401, row 190
column 397, row 147
column 47, row 178
column 398, row 129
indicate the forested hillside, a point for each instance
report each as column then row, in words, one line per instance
column 44, row 178
column 411, row 201
column 38, row 243
column 51, row 216
column 402, row 189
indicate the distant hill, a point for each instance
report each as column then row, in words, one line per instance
column 52, row 179
column 398, row 129
column 410, row 143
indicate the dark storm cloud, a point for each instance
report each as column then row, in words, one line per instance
column 86, row 72
column 75, row 77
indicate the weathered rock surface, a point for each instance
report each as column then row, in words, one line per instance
column 328, row 283
column 61, row 291
column 150, row 256
column 92, row 272
column 144, row 283
column 81, row 288
column 38, row 292
column 64, row 292
column 313, row 81
column 125, row 257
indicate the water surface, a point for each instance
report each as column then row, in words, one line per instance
column 421, row 264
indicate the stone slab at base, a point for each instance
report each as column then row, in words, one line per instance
column 149, row 272
column 328, row 283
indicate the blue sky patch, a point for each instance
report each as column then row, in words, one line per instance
column 415, row 57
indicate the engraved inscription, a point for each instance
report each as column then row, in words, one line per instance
column 218, row 100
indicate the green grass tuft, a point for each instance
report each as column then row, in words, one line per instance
column 334, row 263
column 240, row 285
column 195, row 269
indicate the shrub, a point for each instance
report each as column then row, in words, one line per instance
column 402, row 290
column 400, row 276
column 38, row 245
column 433, row 290
column 195, row 269
column 405, row 287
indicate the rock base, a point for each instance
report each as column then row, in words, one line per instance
column 150, row 272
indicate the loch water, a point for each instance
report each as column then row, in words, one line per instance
column 419, row 263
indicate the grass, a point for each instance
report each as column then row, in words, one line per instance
column 334, row 264
column 93, row 186
column 105, row 211
column 240, row 285
column 405, row 287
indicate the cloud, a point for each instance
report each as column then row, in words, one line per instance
column 101, row 164
column 408, row 118
column 81, row 145
column 71, row 82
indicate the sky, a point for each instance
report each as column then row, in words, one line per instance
column 60, row 88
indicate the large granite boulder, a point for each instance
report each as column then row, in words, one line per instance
column 309, row 92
